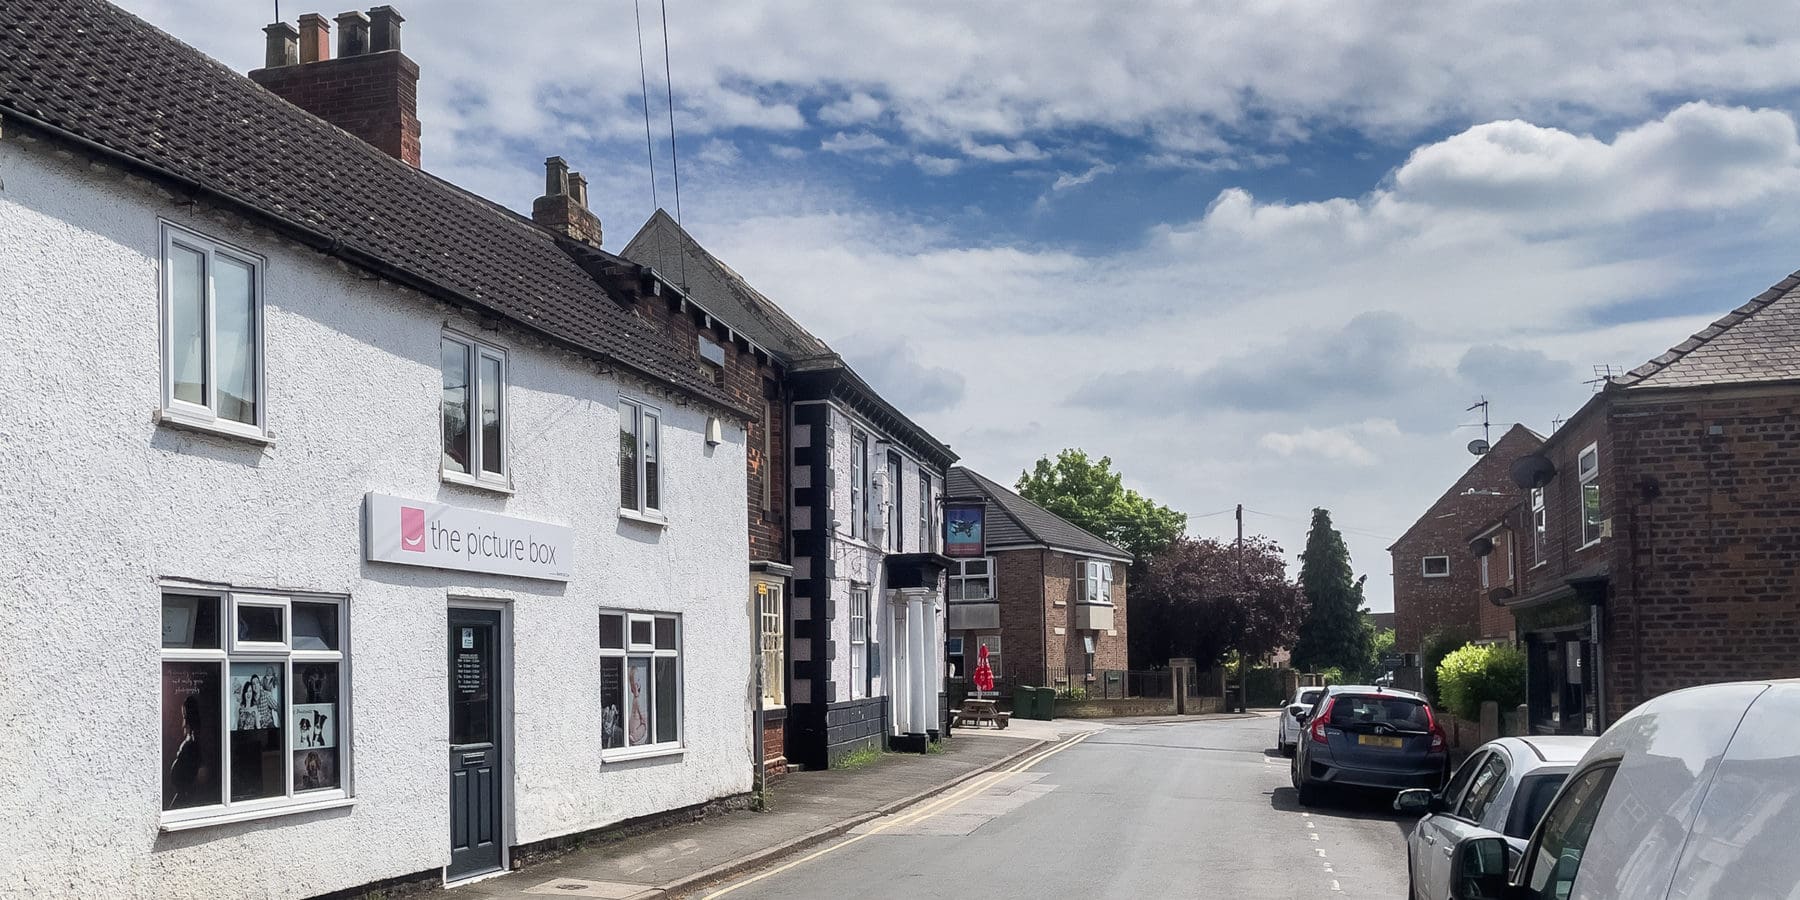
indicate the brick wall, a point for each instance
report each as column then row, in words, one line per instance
column 1030, row 585
column 1019, row 585
column 774, row 741
column 1705, row 500
column 1495, row 621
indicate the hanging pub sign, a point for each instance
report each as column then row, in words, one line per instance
column 963, row 520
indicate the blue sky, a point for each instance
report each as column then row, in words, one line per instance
column 1257, row 253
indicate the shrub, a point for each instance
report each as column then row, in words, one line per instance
column 1438, row 645
column 1478, row 673
column 1075, row 692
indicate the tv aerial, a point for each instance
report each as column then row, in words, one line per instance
column 1481, row 445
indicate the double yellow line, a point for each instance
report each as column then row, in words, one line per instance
column 975, row 786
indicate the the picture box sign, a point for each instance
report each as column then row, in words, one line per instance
column 963, row 522
column 438, row 536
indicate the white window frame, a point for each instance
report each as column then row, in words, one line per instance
column 859, row 485
column 205, row 415
column 894, row 466
column 233, row 651
column 1512, row 557
column 960, row 579
column 478, row 476
column 1540, row 528
column 771, row 634
column 1587, row 475
column 646, row 417
column 1094, row 586
column 1425, row 567
column 927, row 540
column 859, row 641
column 634, row 650
column 1484, row 568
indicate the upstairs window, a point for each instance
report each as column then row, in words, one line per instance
column 1588, row 468
column 1484, row 568
column 1540, row 531
column 640, row 458
column 859, row 485
column 972, row 579
column 1437, row 567
column 891, row 504
column 926, row 545
column 212, row 333
column 474, row 410
column 1096, row 582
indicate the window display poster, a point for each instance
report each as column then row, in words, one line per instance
column 315, row 769
column 255, row 696
column 315, row 682
column 612, row 703
column 315, row 725
column 190, row 734
column 637, row 725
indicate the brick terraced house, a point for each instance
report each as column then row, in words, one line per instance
column 1048, row 599
column 1660, row 526
column 1436, row 583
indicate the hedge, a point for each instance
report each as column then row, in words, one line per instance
column 1478, row 673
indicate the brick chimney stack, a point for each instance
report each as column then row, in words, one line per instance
column 369, row 90
column 563, row 208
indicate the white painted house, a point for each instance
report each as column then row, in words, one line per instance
column 866, row 613
column 353, row 532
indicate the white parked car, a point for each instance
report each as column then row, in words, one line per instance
column 1501, row 790
column 1288, row 731
column 1693, row 795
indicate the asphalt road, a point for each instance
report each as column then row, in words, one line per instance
column 1191, row 809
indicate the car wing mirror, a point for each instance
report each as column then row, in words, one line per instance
column 1481, row 866
column 1417, row 800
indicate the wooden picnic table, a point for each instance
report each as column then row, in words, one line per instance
column 980, row 711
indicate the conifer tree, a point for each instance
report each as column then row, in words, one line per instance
column 1335, row 633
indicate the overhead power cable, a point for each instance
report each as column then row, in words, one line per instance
column 644, row 91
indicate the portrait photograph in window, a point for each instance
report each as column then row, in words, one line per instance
column 637, row 727
column 190, row 734
column 258, row 768
column 612, row 703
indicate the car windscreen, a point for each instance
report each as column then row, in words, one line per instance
column 1361, row 712
column 1533, row 798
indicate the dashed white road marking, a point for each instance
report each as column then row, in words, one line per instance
column 1335, row 887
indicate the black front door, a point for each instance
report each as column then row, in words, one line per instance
column 475, row 688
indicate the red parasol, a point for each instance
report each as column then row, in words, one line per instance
column 984, row 673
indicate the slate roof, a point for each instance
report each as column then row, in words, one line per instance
column 1757, row 342
column 88, row 71
column 663, row 244
column 1013, row 520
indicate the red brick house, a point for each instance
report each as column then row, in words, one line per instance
column 1664, row 525
column 1048, row 600
column 1436, row 583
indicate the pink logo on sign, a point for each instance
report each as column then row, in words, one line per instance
column 412, row 529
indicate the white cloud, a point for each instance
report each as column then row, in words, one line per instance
column 1341, row 444
column 860, row 142
column 1066, row 180
column 853, row 110
column 717, row 152
column 1018, row 151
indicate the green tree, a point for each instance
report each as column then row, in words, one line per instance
column 1437, row 645
column 1478, row 673
column 1381, row 644
column 1092, row 495
column 1335, row 633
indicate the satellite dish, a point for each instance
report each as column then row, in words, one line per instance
column 1479, row 447
column 1481, row 546
column 1499, row 596
column 1532, row 471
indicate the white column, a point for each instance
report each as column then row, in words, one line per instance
column 916, row 694
column 893, row 619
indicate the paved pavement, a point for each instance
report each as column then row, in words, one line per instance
column 806, row 809
column 1183, row 809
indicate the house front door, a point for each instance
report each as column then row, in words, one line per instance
column 476, row 814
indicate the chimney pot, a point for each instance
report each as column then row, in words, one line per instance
column 282, row 47
column 353, row 34
column 384, row 29
column 556, row 177
column 315, row 38
column 578, row 189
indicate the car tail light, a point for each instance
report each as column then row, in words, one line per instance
column 1317, row 727
column 1438, row 741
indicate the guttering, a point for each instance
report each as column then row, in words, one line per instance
column 333, row 245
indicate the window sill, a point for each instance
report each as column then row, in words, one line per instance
column 653, row 519
column 336, row 801
column 611, row 756
column 174, row 418
column 1593, row 543
column 1060, row 603
column 481, row 484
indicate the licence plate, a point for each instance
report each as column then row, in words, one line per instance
column 1379, row 740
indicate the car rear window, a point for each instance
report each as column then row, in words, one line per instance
column 1365, row 711
column 1533, row 797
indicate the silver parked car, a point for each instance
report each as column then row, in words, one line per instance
column 1501, row 790
column 1694, row 795
column 1287, row 729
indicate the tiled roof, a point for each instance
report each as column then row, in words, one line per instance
column 1013, row 520
column 666, row 246
column 1471, row 499
column 94, row 72
column 1759, row 341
